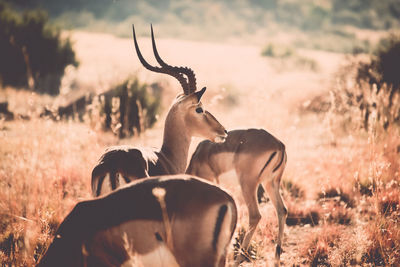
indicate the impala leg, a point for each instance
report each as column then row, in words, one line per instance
column 114, row 182
column 272, row 188
column 126, row 179
column 222, row 260
column 249, row 191
column 99, row 185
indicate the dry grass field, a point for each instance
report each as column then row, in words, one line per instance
column 341, row 187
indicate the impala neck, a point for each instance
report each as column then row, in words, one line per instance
column 176, row 143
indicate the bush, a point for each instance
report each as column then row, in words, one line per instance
column 277, row 51
column 32, row 51
column 384, row 65
column 128, row 108
column 288, row 57
column 369, row 92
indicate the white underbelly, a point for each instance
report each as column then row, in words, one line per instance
column 161, row 257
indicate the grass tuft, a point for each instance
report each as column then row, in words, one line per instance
column 337, row 194
column 249, row 255
column 388, row 203
column 317, row 248
column 301, row 215
column 293, row 189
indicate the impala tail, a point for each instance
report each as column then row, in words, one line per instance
column 283, row 158
column 223, row 231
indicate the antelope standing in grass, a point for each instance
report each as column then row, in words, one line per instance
column 186, row 118
column 258, row 158
column 162, row 221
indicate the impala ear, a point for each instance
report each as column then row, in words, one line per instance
column 200, row 93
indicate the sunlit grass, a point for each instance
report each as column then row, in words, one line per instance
column 44, row 170
column 341, row 185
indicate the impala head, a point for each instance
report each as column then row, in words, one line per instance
column 187, row 110
column 198, row 122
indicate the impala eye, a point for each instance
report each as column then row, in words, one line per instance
column 199, row 110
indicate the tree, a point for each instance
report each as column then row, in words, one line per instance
column 32, row 51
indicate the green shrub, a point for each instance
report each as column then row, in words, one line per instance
column 277, row 51
column 31, row 50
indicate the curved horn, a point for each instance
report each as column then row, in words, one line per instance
column 177, row 75
column 192, row 79
column 185, row 70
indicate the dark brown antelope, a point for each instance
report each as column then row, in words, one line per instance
column 186, row 118
column 258, row 158
column 160, row 221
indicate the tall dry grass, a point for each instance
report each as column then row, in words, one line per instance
column 371, row 235
column 44, row 170
column 362, row 191
column 345, row 177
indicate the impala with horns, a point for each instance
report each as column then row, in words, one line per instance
column 258, row 158
column 160, row 221
column 186, row 118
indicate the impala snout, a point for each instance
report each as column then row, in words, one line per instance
column 222, row 134
column 219, row 131
column 221, row 137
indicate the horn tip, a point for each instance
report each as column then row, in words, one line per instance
column 133, row 29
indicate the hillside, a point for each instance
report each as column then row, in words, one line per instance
column 251, row 21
